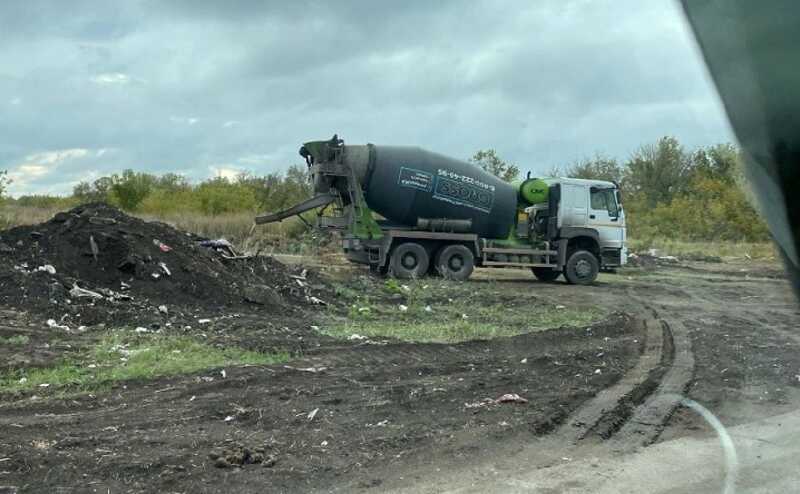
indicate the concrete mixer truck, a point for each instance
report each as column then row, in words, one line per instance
column 411, row 212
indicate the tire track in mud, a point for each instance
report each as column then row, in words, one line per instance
column 634, row 411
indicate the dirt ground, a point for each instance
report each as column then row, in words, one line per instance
column 377, row 414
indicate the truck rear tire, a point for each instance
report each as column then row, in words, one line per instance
column 581, row 268
column 409, row 260
column 546, row 274
column 455, row 262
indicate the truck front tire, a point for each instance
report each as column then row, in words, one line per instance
column 409, row 260
column 455, row 262
column 546, row 274
column 581, row 268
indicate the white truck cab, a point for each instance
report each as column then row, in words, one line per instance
column 594, row 205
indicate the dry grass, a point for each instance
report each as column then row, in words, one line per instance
column 284, row 237
column 11, row 215
column 679, row 248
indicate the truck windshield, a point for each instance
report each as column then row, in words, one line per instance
column 604, row 199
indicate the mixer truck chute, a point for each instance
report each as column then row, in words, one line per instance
column 443, row 216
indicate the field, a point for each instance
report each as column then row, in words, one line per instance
column 303, row 373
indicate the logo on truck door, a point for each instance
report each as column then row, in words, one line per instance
column 464, row 191
column 415, row 179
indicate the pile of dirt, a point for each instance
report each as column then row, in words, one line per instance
column 97, row 264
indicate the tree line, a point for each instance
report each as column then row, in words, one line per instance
column 668, row 191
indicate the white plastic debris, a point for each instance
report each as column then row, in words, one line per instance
column 356, row 337
column 561, row 306
column 79, row 292
column 402, row 308
column 524, row 361
column 23, row 380
column 51, row 323
column 464, row 316
column 141, row 330
column 323, row 443
column 48, row 268
column 316, row 301
column 165, row 269
column 203, row 321
column 598, row 371
column 313, row 413
column 223, row 373
column 163, row 309
column 428, row 308
column 229, row 418
column 511, row 398
column 155, row 276
column 44, row 385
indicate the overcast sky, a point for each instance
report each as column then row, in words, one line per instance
column 201, row 88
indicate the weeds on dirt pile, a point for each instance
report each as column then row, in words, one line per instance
column 127, row 356
column 442, row 311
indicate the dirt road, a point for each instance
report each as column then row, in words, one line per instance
column 350, row 415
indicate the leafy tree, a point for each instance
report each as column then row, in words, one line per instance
column 97, row 191
column 131, row 188
column 489, row 161
column 597, row 168
column 658, row 172
column 219, row 195
column 4, row 181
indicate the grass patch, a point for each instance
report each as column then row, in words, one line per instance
column 17, row 340
column 441, row 311
column 125, row 356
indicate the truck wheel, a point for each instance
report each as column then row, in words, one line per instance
column 455, row 262
column 546, row 274
column 581, row 268
column 409, row 260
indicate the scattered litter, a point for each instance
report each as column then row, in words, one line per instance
column 316, row 301
column 323, row 443
column 155, row 276
column 428, row 308
column 101, row 220
column 524, row 361
column 79, row 292
column 161, row 245
column 598, row 371
column 51, row 323
column 141, row 330
column 312, row 370
column 203, row 321
column 229, row 418
column 313, row 413
column 511, row 398
column 165, row 269
column 561, row 307
column 163, row 309
column 23, row 380
column 357, row 337
column 402, row 308
column 464, row 316
column 48, row 268
column 192, row 398
column 93, row 247
column 314, row 328
column 44, row 385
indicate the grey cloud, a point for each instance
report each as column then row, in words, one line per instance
column 542, row 82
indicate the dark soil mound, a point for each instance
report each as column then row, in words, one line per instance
column 134, row 265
